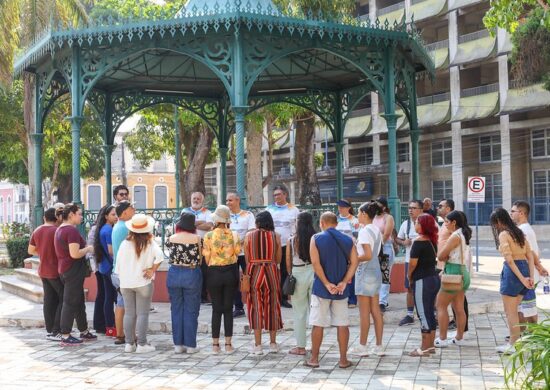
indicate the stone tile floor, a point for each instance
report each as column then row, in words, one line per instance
column 28, row 361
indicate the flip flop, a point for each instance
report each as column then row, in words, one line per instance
column 347, row 365
column 430, row 350
column 419, row 353
column 311, row 365
column 297, row 351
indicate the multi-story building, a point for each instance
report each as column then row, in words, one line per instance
column 14, row 203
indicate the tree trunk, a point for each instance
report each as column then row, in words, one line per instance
column 64, row 188
column 197, row 143
column 254, row 180
column 306, row 173
column 28, row 118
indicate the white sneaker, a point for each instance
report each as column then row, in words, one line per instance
column 459, row 343
column 179, row 349
column 190, row 350
column 145, row 348
column 129, row 348
column 273, row 348
column 505, row 349
column 441, row 343
column 360, row 350
column 257, row 350
column 54, row 337
column 378, row 350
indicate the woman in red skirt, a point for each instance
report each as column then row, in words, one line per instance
column 263, row 255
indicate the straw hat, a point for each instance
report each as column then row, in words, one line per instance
column 141, row 223
column 221, row 215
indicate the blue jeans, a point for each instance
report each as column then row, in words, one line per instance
column 184, row 287
column 109, row 301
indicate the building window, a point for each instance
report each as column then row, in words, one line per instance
column 22, row 194
column 361, row 156
column 9, row 210
column 489, row 148
column 1, row 209
column 140, row 197
column 94, row 197
column 442, row 153
column 540, row 143
column 403, row 152
column 161, row 197
column 541, row 193
column 442, row 189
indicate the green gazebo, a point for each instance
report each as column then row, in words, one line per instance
column 222, row 60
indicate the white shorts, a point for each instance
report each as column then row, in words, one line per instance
column 328, row 312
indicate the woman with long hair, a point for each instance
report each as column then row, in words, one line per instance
column 71, row 249
column 263, row 253
column 518, row 270
column 424, row 280
column 103, row 251
column 455, row 254
column 138, row 258
column 368, row 279
column 349, row 225
column 184, row 283
column 221, row 249
column 385, row 222
column 299, row 265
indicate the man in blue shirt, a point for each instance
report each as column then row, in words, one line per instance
column 334, row 260
column 125, row 211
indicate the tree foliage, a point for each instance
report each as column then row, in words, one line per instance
column 508, row 14
column 136, row 9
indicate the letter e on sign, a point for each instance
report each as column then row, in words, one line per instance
column 476, row 189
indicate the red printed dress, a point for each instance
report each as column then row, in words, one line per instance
column 263, row 305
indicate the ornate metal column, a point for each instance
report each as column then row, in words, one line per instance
column 415, row 154
column 108, row 152
column 178, row 156
column 38, row 139
column 339, row 145
column 76, row 120
column 391, row 120
column 240, row 113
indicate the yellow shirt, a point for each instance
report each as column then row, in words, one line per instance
column 222, row 246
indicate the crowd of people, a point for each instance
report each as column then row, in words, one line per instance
column 277, row 258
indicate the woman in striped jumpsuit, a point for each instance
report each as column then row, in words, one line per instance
column 263, row 254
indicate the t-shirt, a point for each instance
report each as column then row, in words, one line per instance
column 424, row 252
column 64, row 236
column 366, row 237
column 105, row 239
column 130, row 267
column 347, row 225
column 284, row 218
column 120, row 232
column 531, row 237
column 242, row 223
column 43, row 240
column 403, row 234
column 201, row 215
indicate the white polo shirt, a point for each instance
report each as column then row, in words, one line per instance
column 284, row 218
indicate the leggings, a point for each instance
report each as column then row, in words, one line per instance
column 425, row 291
column 222, row 283
column 74, row 305
column 137, row 304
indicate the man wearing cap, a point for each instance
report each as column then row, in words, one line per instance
column 284, row 216
column 125, row 211
column 242, row 221
column 203, row 224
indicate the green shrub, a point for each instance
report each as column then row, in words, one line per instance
column 17, row 249
column 529, row 366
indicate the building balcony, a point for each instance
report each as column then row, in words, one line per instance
column 522, row 97
column 456, row 4
column 440, row 53
column 477, row 103
column 424, row 9
column 475, row 46
column 433, row 110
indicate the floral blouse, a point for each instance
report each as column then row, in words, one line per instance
column 222, row 245
column 184, row 254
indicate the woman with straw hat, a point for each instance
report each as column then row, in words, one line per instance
column 138, row 258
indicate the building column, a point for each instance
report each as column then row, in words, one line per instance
column 346, row 153
column 376, row 149
column 457, row 170
column 503, row 79
column 505, row 160
column 453, row 33
column 221, row 175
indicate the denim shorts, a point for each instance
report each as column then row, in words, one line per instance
column 510, row 285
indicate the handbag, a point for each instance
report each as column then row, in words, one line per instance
column 289, row 285
column 245, row 283
column 453, row 282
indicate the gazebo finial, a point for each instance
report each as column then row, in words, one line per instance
column 219, row 6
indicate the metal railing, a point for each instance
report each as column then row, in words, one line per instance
column 481, row 90
column 473, row 36
column 437, row 45
column 440, row 97
column 391, row 8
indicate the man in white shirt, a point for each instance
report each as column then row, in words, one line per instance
column 203, row 224
column 405, row 237
column 242, row 221
column 284, row 217
column 520, row 215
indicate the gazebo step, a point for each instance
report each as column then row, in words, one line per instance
column 24, row 289
column 29, row 275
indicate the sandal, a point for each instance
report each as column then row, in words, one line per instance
column 430, row 350
column 307, row 363
column 229, row 348
column 347, row 365
column 216, row 348
column 419, row 353
column 297, row 351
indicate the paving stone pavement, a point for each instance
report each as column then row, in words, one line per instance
column 29, row 361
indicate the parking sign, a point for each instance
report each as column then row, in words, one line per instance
column 476, row 189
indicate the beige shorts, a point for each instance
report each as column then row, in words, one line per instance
column 328, row 312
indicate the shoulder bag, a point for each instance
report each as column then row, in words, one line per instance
column 289, row 284
column 451, row 282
